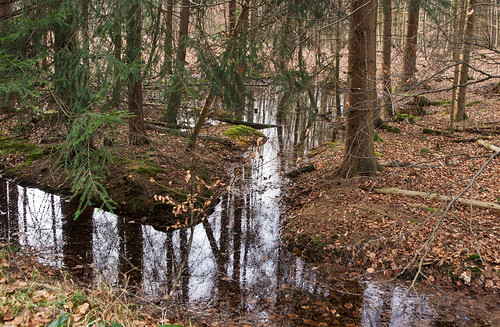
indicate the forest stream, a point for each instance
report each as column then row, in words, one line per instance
column 238, row 268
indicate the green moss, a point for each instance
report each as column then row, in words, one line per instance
column 238, row 131
column 147, row 168
column 474, row 256
column 393, row 129
column 470, row 104
column 475, row 270
column 404, row 117
column 444, row 103
column 15, row 145
column 425, row 151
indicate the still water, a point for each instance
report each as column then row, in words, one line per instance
column 237, row 265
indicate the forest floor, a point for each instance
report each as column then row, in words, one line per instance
column 453, row 247
column 330, row 221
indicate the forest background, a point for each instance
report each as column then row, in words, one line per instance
column 84, row 81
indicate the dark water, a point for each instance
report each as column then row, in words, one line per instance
column 237, row 269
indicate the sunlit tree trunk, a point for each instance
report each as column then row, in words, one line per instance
column 386, row 58
column 458, row 25
column 371, row 63
column 359, row 156
column 137, row 130
column 410, row 49
column 463, row 74
column 175, row 98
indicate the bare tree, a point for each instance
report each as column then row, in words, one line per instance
column 137, row 130
column 410, row 49
column 359, row 157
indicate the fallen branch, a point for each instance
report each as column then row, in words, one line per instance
column 182, row 133
column 300, row 171
column 434, row 131
column 434, row 196
column 246, row 123
column 488, row 145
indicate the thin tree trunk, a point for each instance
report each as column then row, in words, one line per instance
column 359, row 157
column 137, row 130
column 174, row 101
column 234, row 35
column 338, row 48
column 116, row 39
column 371, row 63
column 169, row 39
column 458, row 25
column 410, row 50
column 386, row 59
column 463, row 74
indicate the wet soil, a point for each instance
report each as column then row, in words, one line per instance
column 454, row 250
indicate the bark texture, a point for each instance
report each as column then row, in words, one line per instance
column 359, row 157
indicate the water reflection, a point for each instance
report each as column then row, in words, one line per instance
column 402, row 308
column 235, row 263
column 39, row 226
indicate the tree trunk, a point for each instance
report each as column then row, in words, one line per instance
column 169, row 18
column 64, row 50
column 463, row 71
column 386, row 59
column 116, row 39
column 371, row 63
column 410, row 50
column 338, row 48
column 359, row 157
column 232, row 15
column 458, row 25
column 174, row 100
column 233, row 37
column 5, row 12
column 137, row 130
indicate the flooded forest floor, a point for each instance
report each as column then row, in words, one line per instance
column 332, row 224
column 450, row 248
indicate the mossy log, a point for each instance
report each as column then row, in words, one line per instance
column 187, row 134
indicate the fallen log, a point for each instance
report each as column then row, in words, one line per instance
column 299, row 171
column 434, row 131
column 434, row 196
column 246, row 123
column 488, row 145
column 182, row 133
